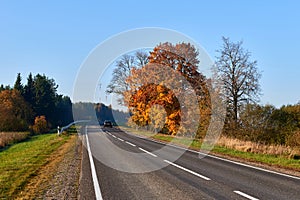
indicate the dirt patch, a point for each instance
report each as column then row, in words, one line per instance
column 59, row 178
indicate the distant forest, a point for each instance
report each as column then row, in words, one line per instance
column 37, row 103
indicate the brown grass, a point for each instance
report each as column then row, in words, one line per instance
column 7, row 138
column 248, row 146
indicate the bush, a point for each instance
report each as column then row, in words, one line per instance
column 40, row 125
column 294, row 140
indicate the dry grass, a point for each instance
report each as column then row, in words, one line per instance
column 7, row 138
column 248, row 146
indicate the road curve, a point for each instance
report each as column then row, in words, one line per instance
column 185, row 178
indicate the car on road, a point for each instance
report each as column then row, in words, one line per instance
column 108, row 123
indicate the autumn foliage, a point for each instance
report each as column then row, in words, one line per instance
column 21, row 104
column 40, row 125
column 14, row 111
column 167, row 92
column 169, row 81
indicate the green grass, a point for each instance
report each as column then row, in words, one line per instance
column 271, row 160
column 21, row 161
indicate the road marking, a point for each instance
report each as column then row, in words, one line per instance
column 218, row 158
column 187, row 170
column 250, row 166
column 93, row 170
column 245, row 195
column 147, row 152
column 121, row 139
column 130, row 144
column 114, row 136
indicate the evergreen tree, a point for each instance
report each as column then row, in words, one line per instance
column 29, row 90
column 44, row 97
column 18, row 84
column 2, row 87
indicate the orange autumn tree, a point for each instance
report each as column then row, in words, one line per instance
column 40, row 125
column 145, row 98
column 182, row 59
column 15, row 113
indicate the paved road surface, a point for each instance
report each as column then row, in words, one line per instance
column 186, row 178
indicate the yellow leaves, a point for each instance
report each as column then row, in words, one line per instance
column 161, row 89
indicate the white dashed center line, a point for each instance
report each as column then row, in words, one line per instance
column 114, row 136
column 245, row 195
column 130, row 144
column 147, row 152
column 187, row 170
column 121, row 139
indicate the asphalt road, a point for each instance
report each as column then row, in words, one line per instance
column 124, row 167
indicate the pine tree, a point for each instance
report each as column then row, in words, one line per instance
column 29, row 90
column 18, row 84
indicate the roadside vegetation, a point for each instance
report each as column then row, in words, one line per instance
column 28, row 112
column 20, row 162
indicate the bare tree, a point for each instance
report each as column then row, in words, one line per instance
column 141, row 58
column 124, row 65
column 239, row 77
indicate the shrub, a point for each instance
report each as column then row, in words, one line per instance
column 40, row 125
column 294, row 139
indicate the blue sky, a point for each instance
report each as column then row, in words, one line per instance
column 54, row 37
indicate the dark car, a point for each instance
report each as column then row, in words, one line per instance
column 108, row 123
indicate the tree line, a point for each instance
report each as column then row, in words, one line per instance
column 156, row 107
column 24, row 105
column 36, row 106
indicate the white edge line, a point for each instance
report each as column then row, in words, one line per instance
column 188, row 170
column 245, row 195
column 147, row 152
column 121, row 139
column 93, row 170
column 219, row 158
column 130, row 144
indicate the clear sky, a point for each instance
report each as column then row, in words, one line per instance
column 54, row 37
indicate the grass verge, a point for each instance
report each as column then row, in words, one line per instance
column 22, row 161
column 278, row 161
